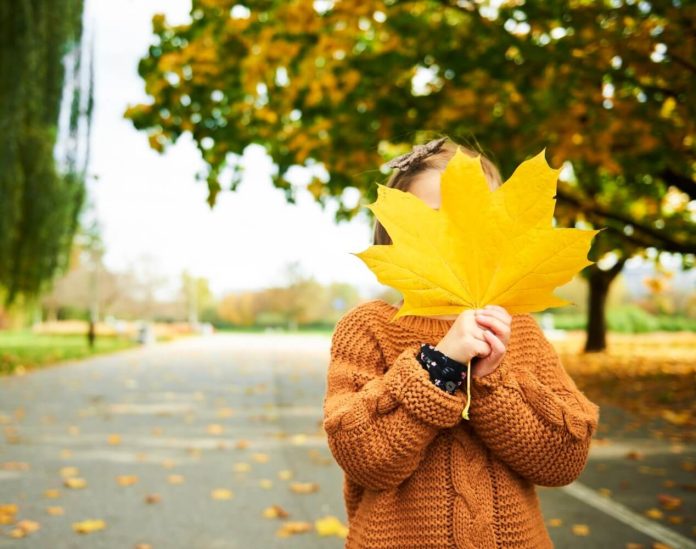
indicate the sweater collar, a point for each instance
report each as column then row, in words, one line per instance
column 420, row 324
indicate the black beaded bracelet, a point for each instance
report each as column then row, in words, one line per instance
column 445, row 372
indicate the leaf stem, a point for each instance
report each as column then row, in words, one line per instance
column 465, row 412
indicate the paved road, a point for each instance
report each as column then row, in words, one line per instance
column 242, row 413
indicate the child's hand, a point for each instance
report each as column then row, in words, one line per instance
column 464, row 340
column 496, row 322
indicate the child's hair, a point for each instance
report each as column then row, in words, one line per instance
column 402, row 179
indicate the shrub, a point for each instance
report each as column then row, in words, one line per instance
column 631, row 319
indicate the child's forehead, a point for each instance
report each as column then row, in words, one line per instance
column 426, row 186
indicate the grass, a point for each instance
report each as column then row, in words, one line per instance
column 629, row 319
column 25, row 350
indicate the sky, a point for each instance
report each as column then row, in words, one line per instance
column 153, row 213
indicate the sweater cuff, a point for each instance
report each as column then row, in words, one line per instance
column 501, row 376
column 409, row 383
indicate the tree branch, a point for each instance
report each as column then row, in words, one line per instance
column 664, row 238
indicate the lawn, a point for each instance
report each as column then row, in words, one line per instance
column 22, row 350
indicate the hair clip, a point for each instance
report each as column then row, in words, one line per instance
column 418, row 153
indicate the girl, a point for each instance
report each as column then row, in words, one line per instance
column 417, row 475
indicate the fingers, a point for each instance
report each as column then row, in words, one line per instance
column 495, row 324
column 497, row 346
column 481, row 348
column 495, row 310
column 470, row 326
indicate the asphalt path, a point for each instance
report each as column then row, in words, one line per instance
column 185, row 444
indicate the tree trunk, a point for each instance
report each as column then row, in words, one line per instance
column 91, row 334
column 599, row 282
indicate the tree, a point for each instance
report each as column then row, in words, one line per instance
column 347, row 84
column 196, row 295
column 42, row 163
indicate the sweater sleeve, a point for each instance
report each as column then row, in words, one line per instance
column 378, row 423
column 529, row 411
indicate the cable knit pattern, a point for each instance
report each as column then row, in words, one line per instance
column 417, row 475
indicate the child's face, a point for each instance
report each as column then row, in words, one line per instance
column 426, row 186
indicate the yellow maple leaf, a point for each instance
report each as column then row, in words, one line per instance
column 480, row 247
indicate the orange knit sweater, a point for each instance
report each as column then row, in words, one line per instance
column 417, row 475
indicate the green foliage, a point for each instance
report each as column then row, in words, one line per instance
column 605, row 88
column 41, row 190
column 631, row 319
column 671, row 323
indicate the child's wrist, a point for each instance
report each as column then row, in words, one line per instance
column 445, row 372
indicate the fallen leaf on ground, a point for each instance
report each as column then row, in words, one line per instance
column 23, row 528
column 241, row 467
column 668, row 501
column 304, row 487
column 88, row 526
column 654, row 513
column 113, row 439
column 221, row 493
column 215, row 429
column 688, row 465
column 331, row 526
column 126, row 480
column 580, row 529
column 69, row 472
column 74, row 482
column 289, row 528
column 676, row 418
column 275, row 511
column 8, row 512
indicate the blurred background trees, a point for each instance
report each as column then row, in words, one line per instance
column 45, row 114
column 339, row 88
column 606, row 88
